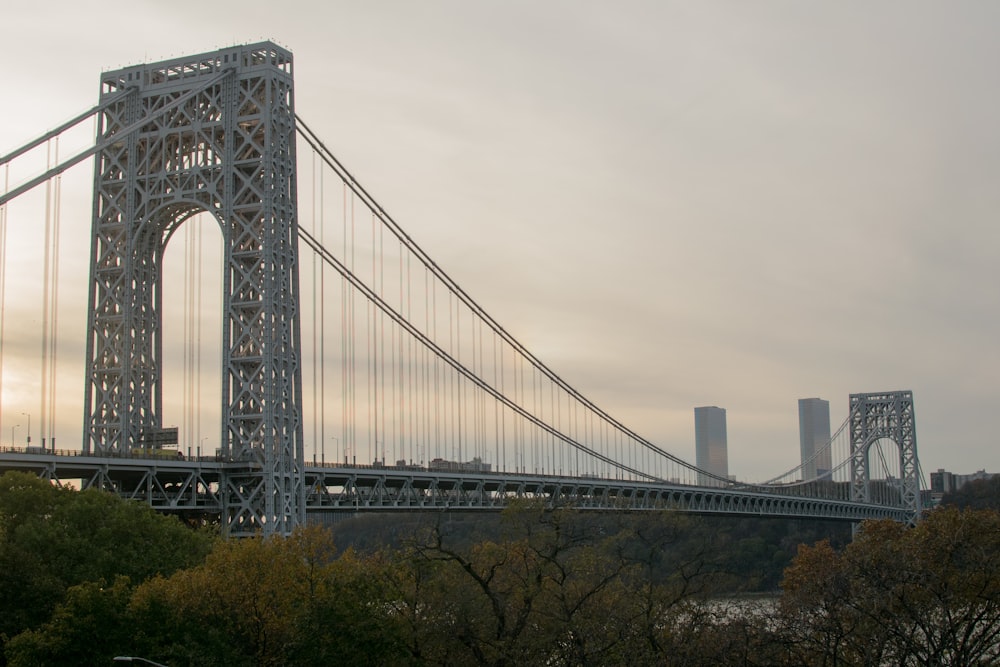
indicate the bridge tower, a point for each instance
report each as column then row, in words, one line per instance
column 885, row 415
column 210, row 133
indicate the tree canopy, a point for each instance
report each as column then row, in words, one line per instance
column 928, row 595
column 979, row 494
column 53, row 538
column 87, row 576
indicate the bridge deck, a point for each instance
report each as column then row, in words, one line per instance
column 197, row 485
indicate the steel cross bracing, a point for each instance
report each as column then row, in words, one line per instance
column 228, row 149
column 196, row 489
column 885, row 415
column 336, row 489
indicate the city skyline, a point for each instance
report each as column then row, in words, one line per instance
column 670, row 204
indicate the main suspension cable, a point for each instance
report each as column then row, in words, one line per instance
column 76, row 120
column 317, row 144
column 107, row 143
column 378, row 303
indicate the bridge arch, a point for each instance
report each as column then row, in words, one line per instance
column 148, row 255
column 192, row 316
column 885, row 416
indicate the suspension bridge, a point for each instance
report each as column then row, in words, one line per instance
column 335, row 326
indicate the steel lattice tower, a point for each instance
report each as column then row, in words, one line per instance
column 211, row 133
column 885, row 415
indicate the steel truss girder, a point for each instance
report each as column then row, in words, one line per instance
column 228, row 149
column 885, row 415
column 350, row 489
column 201, row 488
column 169, row 490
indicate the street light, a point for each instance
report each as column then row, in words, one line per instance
column 28, row 415
column 12, row 428
column 134, row 658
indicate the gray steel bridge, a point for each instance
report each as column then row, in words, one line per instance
column 217, row 134
column 196, row 488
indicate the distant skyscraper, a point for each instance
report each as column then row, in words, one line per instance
column 814, row 434
column 710, row 443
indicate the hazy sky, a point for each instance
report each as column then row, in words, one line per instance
column 672, row 204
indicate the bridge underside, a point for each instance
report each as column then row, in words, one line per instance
column 199, row 490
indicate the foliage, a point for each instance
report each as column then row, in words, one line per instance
column 89, row 627
column 929, row 595
column 976, row 494
column 269, row 601
column 554, row 588
column 752, row 551
column 535, row 587
column 53, row 538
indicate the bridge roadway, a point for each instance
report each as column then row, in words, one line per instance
column 199, row 487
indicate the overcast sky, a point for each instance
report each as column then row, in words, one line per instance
column 672, row 204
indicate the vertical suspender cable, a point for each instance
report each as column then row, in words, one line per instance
column 438, row 448
column 457, row 379
column 186, row 322
column 54, row 320
column 3, row 277
column 199, row 264
column 192, row 316
column 398, row 382
column 315, row 375
column 381, row 342
column 344, row 359
column 189, row 333
column 498, row 414
column 425, row 368
column 552, row 438
column 322, row 321
column 353, row 397
column 372, row 357
column 43, row 422
column 185, row 382
column 406, row 359
column 480, row 400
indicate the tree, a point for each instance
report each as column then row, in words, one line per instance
column 929, row 595
column 979, row 494
column 555, row 587
column 89, row 627
column 53, row 538
column 273, row 601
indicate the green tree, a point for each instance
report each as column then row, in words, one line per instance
column 53, row 538
column 275, row 601
column 89, row 627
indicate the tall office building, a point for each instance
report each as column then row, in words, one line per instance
column 710, row 444
column 814, row 434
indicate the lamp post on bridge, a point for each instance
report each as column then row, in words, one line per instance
column 12, row 429
column 28, row 415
